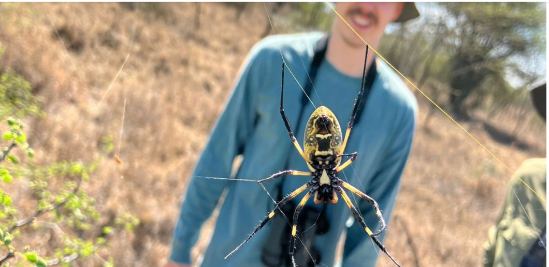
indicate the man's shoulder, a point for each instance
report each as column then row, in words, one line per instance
column 392, row 83
column 287, row 44
column 531, row 171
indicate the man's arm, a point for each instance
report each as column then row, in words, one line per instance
column 358, row 249
column 522, row 216
column 226, row 142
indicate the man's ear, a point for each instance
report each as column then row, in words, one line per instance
column 398, row 10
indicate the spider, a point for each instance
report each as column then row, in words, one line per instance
column 323, row 152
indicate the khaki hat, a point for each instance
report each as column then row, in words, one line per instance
column 409, row 11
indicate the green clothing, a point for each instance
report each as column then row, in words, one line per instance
column 518, row 228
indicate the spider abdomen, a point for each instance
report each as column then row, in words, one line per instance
column 323, row 138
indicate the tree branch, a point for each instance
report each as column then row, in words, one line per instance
column 5, row 154
column 71, row 257
column 42, row 211
column 7, row 257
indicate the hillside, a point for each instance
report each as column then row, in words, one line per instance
column 146, row 69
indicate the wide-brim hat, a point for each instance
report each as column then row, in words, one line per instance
column 409, row 11
column 538, row 95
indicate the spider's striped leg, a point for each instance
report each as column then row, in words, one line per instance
column 287, row 123
column 296, row 215
column 370, row 200
column 347, row 163
column 287, row 172
column 361, row 221
column 356, row 105
column 271, row 215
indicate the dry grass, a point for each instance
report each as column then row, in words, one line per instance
column 175, row 83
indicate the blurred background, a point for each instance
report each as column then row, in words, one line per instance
column 145, row 82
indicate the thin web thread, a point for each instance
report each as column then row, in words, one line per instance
column 273, row 200
column 528, row 217
column 433, row 102
column 122, row 125
column 290, row 224
column 75, row 68
column 303, row 64
column 285, row 63
column 113, row 80
column 376, row 249
column 304, row 92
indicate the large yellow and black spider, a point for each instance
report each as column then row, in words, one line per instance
column 324, row 148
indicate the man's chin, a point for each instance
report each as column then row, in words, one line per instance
column 353, row 41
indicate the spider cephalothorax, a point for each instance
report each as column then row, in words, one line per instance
column 324, row 147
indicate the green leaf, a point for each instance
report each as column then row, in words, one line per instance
column 7, row 178
column 8, row 136
column 100, row 240
column 107, row 230
column 7, row 239
column 30, row 152
column 41, row 262
column 1, row 234
column 31, row 256
column 6, row 200
column 13, row 159
column 21, row 138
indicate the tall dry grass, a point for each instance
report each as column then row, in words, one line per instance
column 174, row 84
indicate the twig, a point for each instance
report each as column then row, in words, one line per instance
column 5, row 154
column 7, row 257
column 71, row 257
column 10, row 254
column 66, row 259
column 402, row 224
column 42, row 211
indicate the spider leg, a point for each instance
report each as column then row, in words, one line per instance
column 370, row 200
column 361, row 221
column 296, row 215
column 287, row 123
column 287, row 172
column 270, row 215
column 356, row 105
column 347, row 163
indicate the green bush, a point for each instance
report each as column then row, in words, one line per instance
column 56, row 189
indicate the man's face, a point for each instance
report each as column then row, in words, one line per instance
column 368, row 19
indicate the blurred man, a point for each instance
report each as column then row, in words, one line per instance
column 518, row 239
column 251, row 126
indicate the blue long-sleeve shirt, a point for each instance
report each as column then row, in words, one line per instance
column 251, row 125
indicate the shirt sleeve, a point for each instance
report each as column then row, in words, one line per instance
column 226, row 142
column 359, row 250
column 521, row 218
